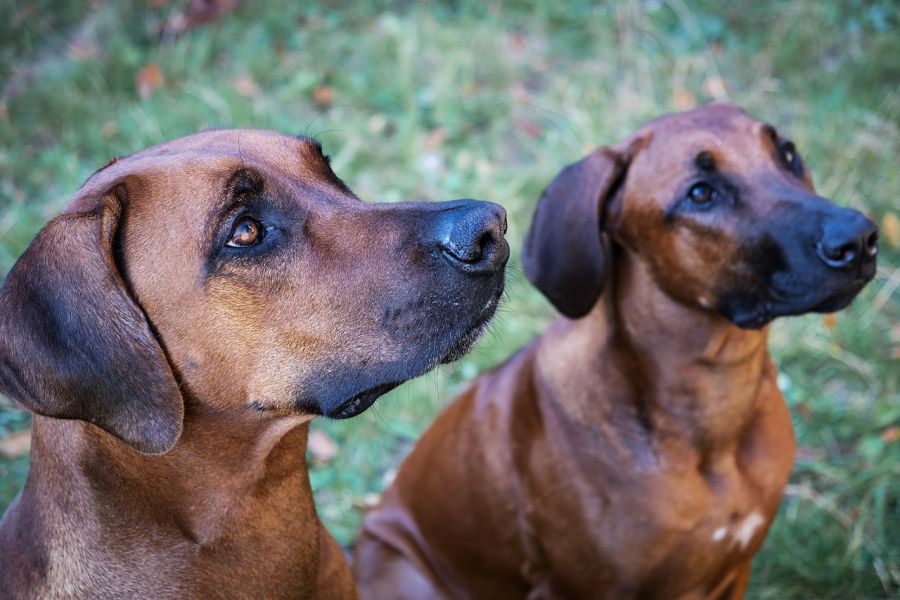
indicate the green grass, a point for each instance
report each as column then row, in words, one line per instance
column 488, row 100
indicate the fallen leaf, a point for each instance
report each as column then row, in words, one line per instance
column 830, row 320
column 435, row 138
column 517, row 42
column 149, row 79
column 890, row 228
column 245, row 86
column 683, row 99
column 202, row 12
column 715, row 87
column 529, row 128
column 323, row 95
column 109, row 129
column 321, row 446
column 16, row 444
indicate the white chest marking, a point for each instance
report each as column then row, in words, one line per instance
column 744, row 530
column 719, row 534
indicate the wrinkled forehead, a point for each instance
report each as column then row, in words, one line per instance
column 728, row 134
column 210, row 158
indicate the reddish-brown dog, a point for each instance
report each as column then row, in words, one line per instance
column 174, row 331
column 640, row 447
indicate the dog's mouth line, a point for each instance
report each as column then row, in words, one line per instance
column 779, row 304
column 808, row 303
column 467, row 340
column 487, row 313
column 361, row 401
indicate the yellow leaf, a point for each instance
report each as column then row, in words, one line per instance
column 683, row 99
column 890, row 228
column 245, row 86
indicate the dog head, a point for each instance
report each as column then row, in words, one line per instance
column 721, row 209
column 233, row 270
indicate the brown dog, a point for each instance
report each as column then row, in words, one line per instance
column 174, row 331
column 640, row 447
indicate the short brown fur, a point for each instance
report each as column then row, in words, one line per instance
column 174, row 377
column 639, row 450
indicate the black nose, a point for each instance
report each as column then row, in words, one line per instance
column 848, row 240
column 472, row 236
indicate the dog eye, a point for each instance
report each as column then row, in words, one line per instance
column 789, row 153
column 247, row 231
column 791, row 158
column 701, row 194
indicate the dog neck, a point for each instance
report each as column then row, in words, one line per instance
column 223, row 477
column 662, row 333
column 660, row 366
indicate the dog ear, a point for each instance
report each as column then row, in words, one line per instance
column 75, row 345
column 564, row 255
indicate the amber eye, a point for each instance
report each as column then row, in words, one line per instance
column 247, row 232
column 701, row 194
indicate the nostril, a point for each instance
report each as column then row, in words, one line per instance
column 472, row 237
column 485, row 242
column 871, row 246
column 838, row 255
column 470, row 253
column 842, row 254
column 848, row 240
column 465, row 254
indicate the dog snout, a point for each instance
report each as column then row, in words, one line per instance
column 472, row 237
column 848, row 240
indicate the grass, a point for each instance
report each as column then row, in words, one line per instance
column 488, row 100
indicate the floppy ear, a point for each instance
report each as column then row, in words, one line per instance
column 75, row 345
column 564, row 255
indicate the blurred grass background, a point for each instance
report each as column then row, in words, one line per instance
column 488, row 100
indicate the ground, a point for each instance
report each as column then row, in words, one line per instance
column 439, row 100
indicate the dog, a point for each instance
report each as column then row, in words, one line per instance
column 174, row 331
column 640, row 447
